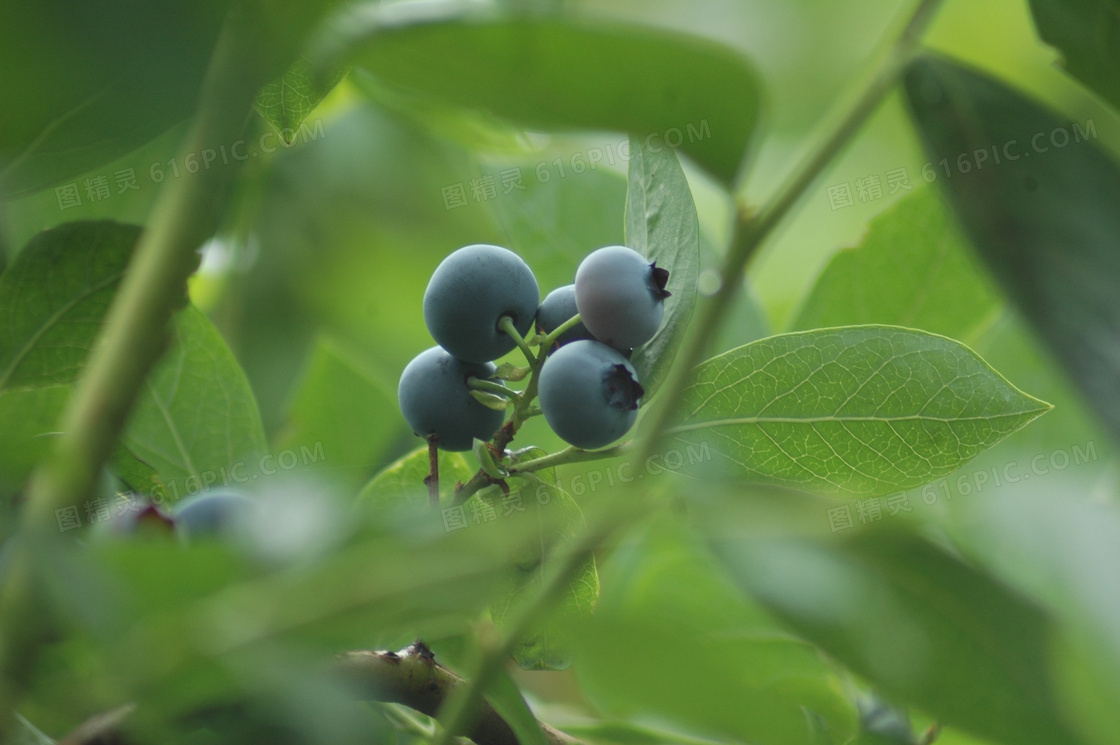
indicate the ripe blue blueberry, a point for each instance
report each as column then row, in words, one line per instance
column 557, row 307
column 589, row 394
column 212, row 515
column 620, row 296
column 435, row 399
column 467, row 296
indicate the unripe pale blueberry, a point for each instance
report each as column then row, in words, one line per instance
column 589, row 394
column 468, row 294
column 435, row 399
column 558, row 307
column 212, row 514
column 621, row 296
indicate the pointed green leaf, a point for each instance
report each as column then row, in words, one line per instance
column 859, row 410
column 912, row 269
column 926, row 629
column 286, row 101
column 661, row 224
column 554, row 71
column 1043, row 218
column 53, row 298
column 1087, row 33
column 196, row 424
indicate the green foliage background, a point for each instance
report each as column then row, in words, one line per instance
column 841, row 521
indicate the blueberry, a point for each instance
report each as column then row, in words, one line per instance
column 212, row 514
column 468, row 294
column 621, row 296
column 589, row 394
column 556, row 308
column 435, row 399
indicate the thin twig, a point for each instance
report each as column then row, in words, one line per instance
column 432, row 479
column 412, row 677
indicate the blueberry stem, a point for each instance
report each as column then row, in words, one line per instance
column 506, row 325
column 569, row 455
column 551, row 337
column 432, row 479
column 490, row 386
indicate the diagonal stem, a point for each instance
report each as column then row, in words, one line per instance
column 752, row 229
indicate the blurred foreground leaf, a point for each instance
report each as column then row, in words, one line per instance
column 551, row 71
column 923, row 627
column 673, row 641
column 1087, row 33
column 1043, row 218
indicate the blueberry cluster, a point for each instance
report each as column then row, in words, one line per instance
column 481, row 303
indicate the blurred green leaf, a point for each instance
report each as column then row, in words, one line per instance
column 549, row 71
column 28, row 424
column 661, row 225
column 1087, row 33
column 507, row 700
column 343, row 407
column 53, row 299
column 1061, row 547
column 550, row 522
column 860, row 410
column 27, row 734
column 402, row 482
column 1045, row 221
column 557, row 220
column 286, row 102
column 673, row 641
column 912, row 269
column 85, row 85
column 196, row 423
column 921, row 625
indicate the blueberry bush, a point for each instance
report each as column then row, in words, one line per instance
column 560, row 372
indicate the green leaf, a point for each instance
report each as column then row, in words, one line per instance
column 287, row 101
column 341, row 404
column 26, row 733
column 1045, row 223
column 1052, row 542
column 923, row 627
column 402, row 482
column 674, row 641
column 511, row 706
column 860, row 410
column 84, row 86
column 196, row 423
column 912, row 269
column 550, row 71
column 1087, row 33
column 550, row 521
column 53, row 298
column 29, row 422
column 557, row 220
column 661, row 224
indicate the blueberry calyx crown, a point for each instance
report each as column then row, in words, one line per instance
column 660, row 278
column 623, row 392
